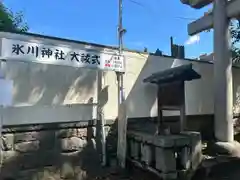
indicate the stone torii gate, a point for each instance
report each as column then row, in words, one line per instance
column 223, row 98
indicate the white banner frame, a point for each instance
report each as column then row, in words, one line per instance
column 26, row 51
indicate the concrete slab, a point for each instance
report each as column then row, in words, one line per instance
column 165, row 160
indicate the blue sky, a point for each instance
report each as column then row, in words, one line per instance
column 149, row 24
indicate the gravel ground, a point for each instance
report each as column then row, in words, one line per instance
column 220, row 168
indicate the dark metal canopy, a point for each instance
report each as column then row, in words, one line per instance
column 179, row 73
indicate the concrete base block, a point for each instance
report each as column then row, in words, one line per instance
column 196, row 148
column 165, row 160
column 134, row 149
column 170, row 140
column 146, row 154
column 185, row 158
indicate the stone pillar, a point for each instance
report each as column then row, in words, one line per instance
column 223, row 97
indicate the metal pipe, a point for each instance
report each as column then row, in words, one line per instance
column 1, row 120
column 1, row 137
column 101, row 118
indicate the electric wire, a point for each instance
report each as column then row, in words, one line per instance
column 154, row 13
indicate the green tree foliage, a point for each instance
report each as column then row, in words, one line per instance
column 235, row 40
column 234, row 29
column 10, row 21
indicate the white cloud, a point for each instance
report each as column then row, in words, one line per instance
column 192, row 40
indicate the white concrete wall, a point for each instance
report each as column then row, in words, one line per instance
column 42, row 93
column 45, row 114
column 41, row 85
column 141, row 98
column 38, row 85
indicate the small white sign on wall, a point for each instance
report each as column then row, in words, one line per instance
column 6, row 89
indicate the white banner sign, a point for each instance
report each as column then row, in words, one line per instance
column 41, row 53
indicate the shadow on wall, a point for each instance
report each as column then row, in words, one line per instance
column 37, row 84
column 142, row 99
column 43, row 84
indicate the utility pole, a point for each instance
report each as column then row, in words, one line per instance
column 122, row 122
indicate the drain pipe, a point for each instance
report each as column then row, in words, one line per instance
column 2, row 76
column 1, row 122
column 100, row 116
column 1, row 138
